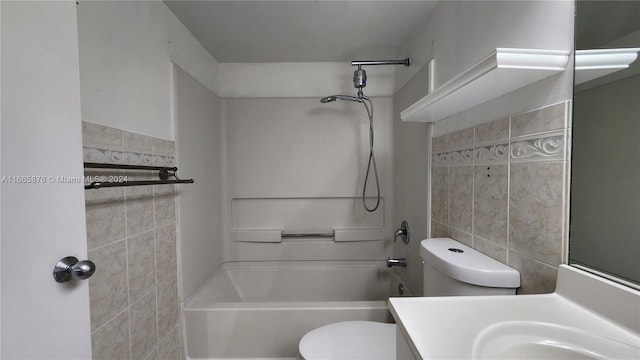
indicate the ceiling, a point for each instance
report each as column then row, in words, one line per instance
column 302, row 31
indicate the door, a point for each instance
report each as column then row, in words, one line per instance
column 42, row 212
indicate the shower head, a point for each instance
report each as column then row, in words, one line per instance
column 340, row 97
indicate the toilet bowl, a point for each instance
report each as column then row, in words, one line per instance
column 450, row 269
column 349, row 340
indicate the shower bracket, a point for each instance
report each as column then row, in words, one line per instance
column 358, row 63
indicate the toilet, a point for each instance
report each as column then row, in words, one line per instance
column 450, row 269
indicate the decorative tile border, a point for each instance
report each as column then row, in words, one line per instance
column 487, row 154
column 439, row 160
column 102, row 155
column 491, row 154
column 92, row 154
column 548, row 148
column 461, row 157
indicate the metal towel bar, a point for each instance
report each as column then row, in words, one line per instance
column 164, row 173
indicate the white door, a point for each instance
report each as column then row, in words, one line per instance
column 41, row 222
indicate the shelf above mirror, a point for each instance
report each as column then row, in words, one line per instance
column 592, row 64
column 502, row 71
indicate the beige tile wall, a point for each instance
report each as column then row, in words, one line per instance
column 501, row 188
column 131, row 236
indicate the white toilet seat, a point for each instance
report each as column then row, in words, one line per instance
column 349, row 340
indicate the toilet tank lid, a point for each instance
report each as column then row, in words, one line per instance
column 466, row 264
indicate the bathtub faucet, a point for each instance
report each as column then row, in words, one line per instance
column 396, row 262
column 402, row 233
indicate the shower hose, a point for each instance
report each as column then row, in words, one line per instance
column 372, row 161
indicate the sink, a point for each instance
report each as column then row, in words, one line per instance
column 541, row 340
column 587, row 317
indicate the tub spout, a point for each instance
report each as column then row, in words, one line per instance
column 396, row 262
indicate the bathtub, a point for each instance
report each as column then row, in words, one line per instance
column 262, row 309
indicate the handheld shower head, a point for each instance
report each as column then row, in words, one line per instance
column 332, row 98
column 328, row 99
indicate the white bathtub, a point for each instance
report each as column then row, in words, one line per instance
column 262, row 309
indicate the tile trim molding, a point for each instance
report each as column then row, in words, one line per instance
column 548, row 148
column 491, row 154
column 93, row 154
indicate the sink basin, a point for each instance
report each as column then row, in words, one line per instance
column 540, row 340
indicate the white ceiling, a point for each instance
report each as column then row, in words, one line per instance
column 302, row 31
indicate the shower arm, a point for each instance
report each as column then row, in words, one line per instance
column 405, row 62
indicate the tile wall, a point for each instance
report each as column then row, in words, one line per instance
column 131, row 236
column 502, row 188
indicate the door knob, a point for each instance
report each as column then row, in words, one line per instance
column 70, row 268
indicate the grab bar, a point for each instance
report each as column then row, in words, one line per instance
column 308, row 235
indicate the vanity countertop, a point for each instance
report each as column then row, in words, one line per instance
column 447, row 327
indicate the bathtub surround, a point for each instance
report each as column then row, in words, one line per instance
column 131, row 236
column 200, row 152
column 295, row 165
column 502, row 188
column 262, row 309
column 411, row 162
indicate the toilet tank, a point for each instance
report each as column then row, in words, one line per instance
column 454, row 269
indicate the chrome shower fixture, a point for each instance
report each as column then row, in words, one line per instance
column 360, row 75
column 359, row 82
column 360, row 79
column 405, row 62
column 342, row 97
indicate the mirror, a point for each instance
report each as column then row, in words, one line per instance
column 605, row 178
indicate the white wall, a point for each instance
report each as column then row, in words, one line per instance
column 199, row 147
column 126, row 53
column 460, row 33
column 295, row 80
column 457, row 35
column 41, row 222
column 298, row 152
column 126, row 50
column 411, row 154
column 0, row 186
